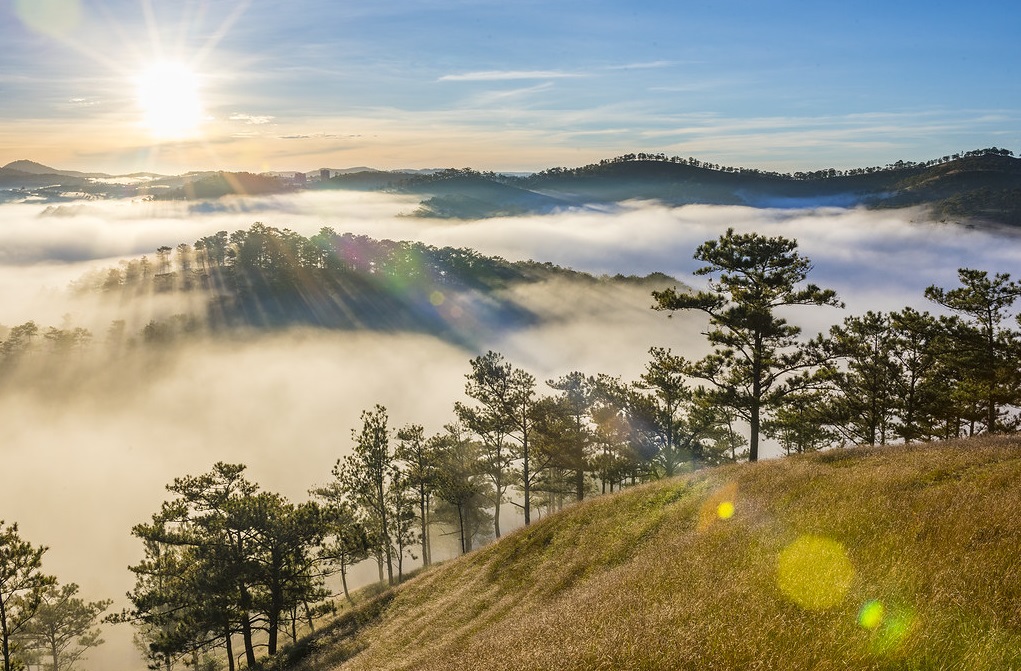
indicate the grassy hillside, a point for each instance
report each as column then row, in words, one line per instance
column 892, row 558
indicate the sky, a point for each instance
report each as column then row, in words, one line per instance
column 150, row 85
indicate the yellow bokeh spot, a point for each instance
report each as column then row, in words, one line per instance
column 718, row 506
column 893, row 631
column 871, row 615
column 814, row 572
column 436, row 298
column 56, row 18
column 890, row 626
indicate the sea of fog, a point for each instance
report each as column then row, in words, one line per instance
column 81, row 467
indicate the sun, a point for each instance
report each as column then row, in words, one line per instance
column 168, row 98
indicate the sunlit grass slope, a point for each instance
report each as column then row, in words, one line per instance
column 892, row 558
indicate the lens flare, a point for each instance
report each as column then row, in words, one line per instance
column 889, row 625
column 814, row 572
column 871, row 615
column 719, row 506
column 893, row 631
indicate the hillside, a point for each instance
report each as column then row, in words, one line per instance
column 980, row 186
column 269, row 278
column 884, row 558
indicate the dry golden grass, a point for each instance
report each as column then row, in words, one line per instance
column 891, row 558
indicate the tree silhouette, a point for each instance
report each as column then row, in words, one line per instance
column 984, row 349
column 22, row 587
column 756, row 351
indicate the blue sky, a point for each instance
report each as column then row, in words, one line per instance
column 296, row 85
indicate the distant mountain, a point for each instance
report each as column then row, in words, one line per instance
column 347, row 171
column 33, row 168
column 978, row 186
column 982, row 186
column 973, row 187
column 29, row 175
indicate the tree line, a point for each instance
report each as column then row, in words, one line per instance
column 267, row 277
column 826, row 173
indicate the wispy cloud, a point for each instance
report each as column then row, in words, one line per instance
column 313, row 136
column 252, row 120
column 648, row 65
column 508, row 75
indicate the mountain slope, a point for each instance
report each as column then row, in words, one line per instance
column 978, row 187
column 881, row 558
column 31, row 167
column 966, row 179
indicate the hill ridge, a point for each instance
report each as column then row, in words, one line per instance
column 978, row 186
column 842, row 559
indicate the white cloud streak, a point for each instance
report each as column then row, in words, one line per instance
column 508, row 75
column 253, row 120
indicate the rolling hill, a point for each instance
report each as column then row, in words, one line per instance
column 268, row 278
column 976, row 187
column 981, row 186
column 898, row 557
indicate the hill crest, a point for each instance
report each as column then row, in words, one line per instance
column 895, row 557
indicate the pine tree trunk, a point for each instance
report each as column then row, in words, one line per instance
column 343, row 581
column 5, row 635
column 246, row 628
column 426, row 560
column 230, row 649
column 496, row 515
column 756, row 401
column 460, row 524
column 528, row 485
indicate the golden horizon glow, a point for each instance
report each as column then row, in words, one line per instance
column 168, row 98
